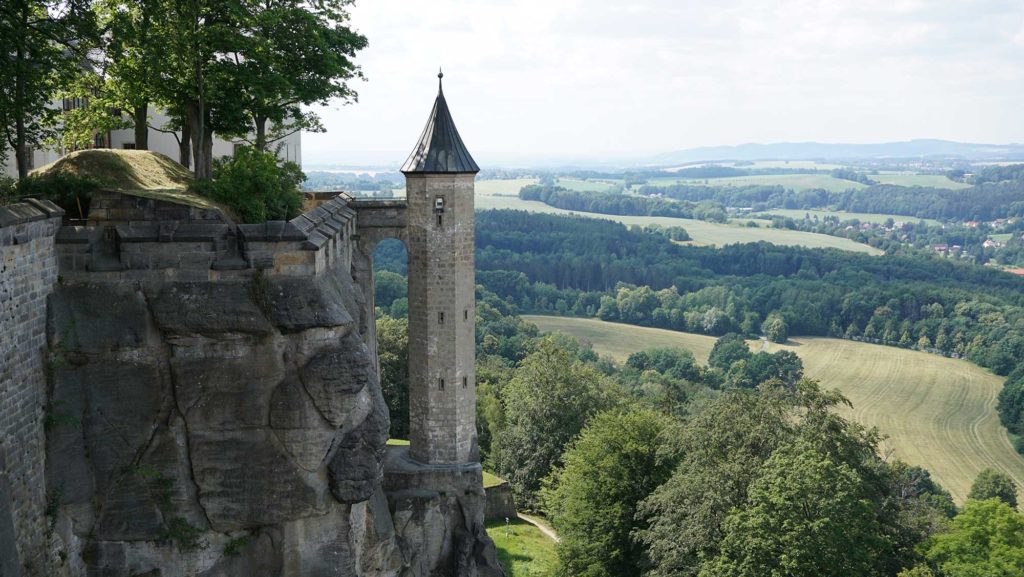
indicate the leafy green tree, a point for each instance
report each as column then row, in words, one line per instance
column 993, row 484
column 393, row 354
column 389, row 287
column 547, row 403
column 985, row 540
column 776, row 329
column 728, row 349
column 807, row 515
column 44, row 43
column 618, row 459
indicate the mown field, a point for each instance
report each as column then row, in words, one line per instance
column 936, row 412
column 910, row 179
column 502, row 194
column 796, row 182
column 861, row 216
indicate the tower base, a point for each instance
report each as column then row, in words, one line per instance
column 438, row 513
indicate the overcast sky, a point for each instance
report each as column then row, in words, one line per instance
column 585, row 79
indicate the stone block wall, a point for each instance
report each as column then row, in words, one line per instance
column 28, row 273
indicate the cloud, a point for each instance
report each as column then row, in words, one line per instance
column 587, row 77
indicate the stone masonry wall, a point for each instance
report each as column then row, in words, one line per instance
column 28, row 272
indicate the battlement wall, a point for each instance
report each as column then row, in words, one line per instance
column 127, row 244
column 28, row 273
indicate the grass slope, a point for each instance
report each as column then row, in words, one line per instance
column 910, row 179
column 136, row 172
column 501, row 194
column 523, row 550
column 937, row 412
column 617, row 340
column 797, row 182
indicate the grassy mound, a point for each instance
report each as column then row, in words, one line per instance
column 136, row 172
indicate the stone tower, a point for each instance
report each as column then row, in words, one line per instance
column 439, row 177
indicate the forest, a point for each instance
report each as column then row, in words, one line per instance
column 661, row 466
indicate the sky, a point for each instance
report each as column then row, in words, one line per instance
column 584, row 80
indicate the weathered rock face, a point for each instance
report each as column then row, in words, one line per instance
column 230, row 429
column 217, row 429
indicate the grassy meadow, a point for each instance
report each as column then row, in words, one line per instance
column 796, row 182
column 936, row 412
column 523, row 550
column 502, row 194
column 843, row 215
column 911, row 179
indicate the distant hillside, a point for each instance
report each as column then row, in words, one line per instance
column 818, row 150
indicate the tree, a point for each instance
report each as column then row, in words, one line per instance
column 393, row 353
column 776, row 329
column 985, row 540
column 993, row 484
column 807, row 515
column 547, row 403
column 277, row 75
column 44, row 43
column 389, row 287
column 727, row 350
column 618, row 459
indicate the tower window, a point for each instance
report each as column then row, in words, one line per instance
column 465, row 315
column 440, row 317
column 440, row 218
column 440, row 384
column 465, row 382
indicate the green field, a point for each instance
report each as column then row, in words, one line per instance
column 843, row 215
column 498, row 194
column 795, row 182
column 618, row 340
column 523, row 550
column 910, row 179
column 936, row 412
column 588, row 185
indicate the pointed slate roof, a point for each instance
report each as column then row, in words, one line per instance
column 440, row 149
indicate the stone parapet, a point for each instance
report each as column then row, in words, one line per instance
column 194, row 248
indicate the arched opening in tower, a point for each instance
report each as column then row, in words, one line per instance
column 391, row 301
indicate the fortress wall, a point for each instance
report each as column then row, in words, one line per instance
column 28, row 272
column 202, row 249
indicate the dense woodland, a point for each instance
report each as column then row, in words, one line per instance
column 663, row 467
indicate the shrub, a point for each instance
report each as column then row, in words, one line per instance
column 255, row 186
column 8, row 190
column 72, row 192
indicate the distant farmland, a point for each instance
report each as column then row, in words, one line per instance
column 499, row 194
column 937, row 412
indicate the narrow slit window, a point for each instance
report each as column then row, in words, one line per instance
column 440, row 384
column 465, row 315
column 465, row 382
column 440, row 317
column 439, row 217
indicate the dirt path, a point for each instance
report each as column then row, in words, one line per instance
column 544, row 528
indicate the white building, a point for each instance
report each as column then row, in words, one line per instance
column 288, row 148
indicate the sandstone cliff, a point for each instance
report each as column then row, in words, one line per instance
column 237, row 428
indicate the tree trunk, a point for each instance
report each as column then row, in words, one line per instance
column 141, row 118
column 184, row 144
column 22, row 152
column 207, row 145
column 261, row 132
column 194, row 117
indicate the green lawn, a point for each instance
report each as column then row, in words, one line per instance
column 936, row 412
column 492, row 480
column 843, row 215
column 705, row 233
column 523, row 550
column 910, row 179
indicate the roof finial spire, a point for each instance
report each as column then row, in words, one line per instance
column 440, row 75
